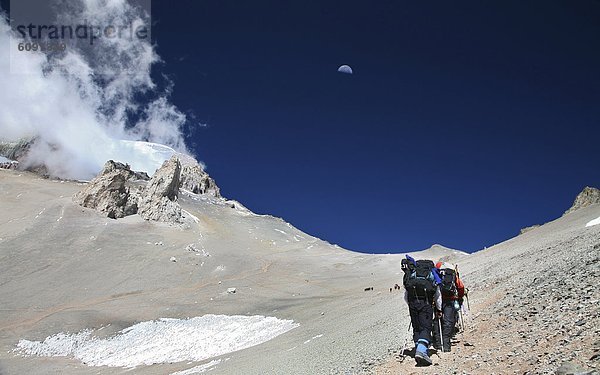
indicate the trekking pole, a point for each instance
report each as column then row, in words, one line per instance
column 462, row 321
column 441, row 336
column 402, row 355
column 467, row 297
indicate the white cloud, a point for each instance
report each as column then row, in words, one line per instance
column 78, row 105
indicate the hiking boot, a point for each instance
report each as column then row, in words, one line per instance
column 447, row 349
column 423, row 359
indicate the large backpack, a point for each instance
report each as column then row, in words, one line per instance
column 448, row 287
column 418, row 278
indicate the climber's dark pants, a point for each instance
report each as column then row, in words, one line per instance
column 448, row 323
column 421, row 316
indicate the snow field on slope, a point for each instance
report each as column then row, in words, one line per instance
column 593, row 222
column 162, row 341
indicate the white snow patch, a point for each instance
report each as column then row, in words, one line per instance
column 196, row 220
column 280, row 231
column 315, row 337
column 5, row 160
column 199, row 369
column 240, row 208
column 40, row 213
column 162, row 341
column 593, row 222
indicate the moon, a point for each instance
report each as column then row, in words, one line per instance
column 346, row 69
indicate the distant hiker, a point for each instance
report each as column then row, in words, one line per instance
column 453, row 291
column 421, row 281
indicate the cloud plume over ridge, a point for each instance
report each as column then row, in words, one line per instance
column 81, row 104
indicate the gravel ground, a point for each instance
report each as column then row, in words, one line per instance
column 535, row 306
column 65, row 269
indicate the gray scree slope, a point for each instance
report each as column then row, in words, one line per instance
column 67, row 268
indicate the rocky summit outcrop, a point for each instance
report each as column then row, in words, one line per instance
column 586, row 198
column 16, row 150
column 529, row 229
column 113, row 191
column 118, row 191
column 194, row 179
column 158, row 201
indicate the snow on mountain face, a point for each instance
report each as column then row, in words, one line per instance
column 162, row 341
column 142, row 156
column 593, row 222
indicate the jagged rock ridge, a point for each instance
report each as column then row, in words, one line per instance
column 118, row 191
column 159, row 199
column 113, row 191
column 195, row 179
column 529, row 229
column 15, row 150
column 17, row 153
column 587, row 197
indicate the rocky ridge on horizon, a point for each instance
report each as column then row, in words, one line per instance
column 15, row 150
column 587, row 197
column 118, row 191
column 17, row 153
column 529, row 228
column 439, row 253
column 196, row 180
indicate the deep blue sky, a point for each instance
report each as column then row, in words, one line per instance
column 463, row 122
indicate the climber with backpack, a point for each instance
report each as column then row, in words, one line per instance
column 421, row 282
column 452, row 290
